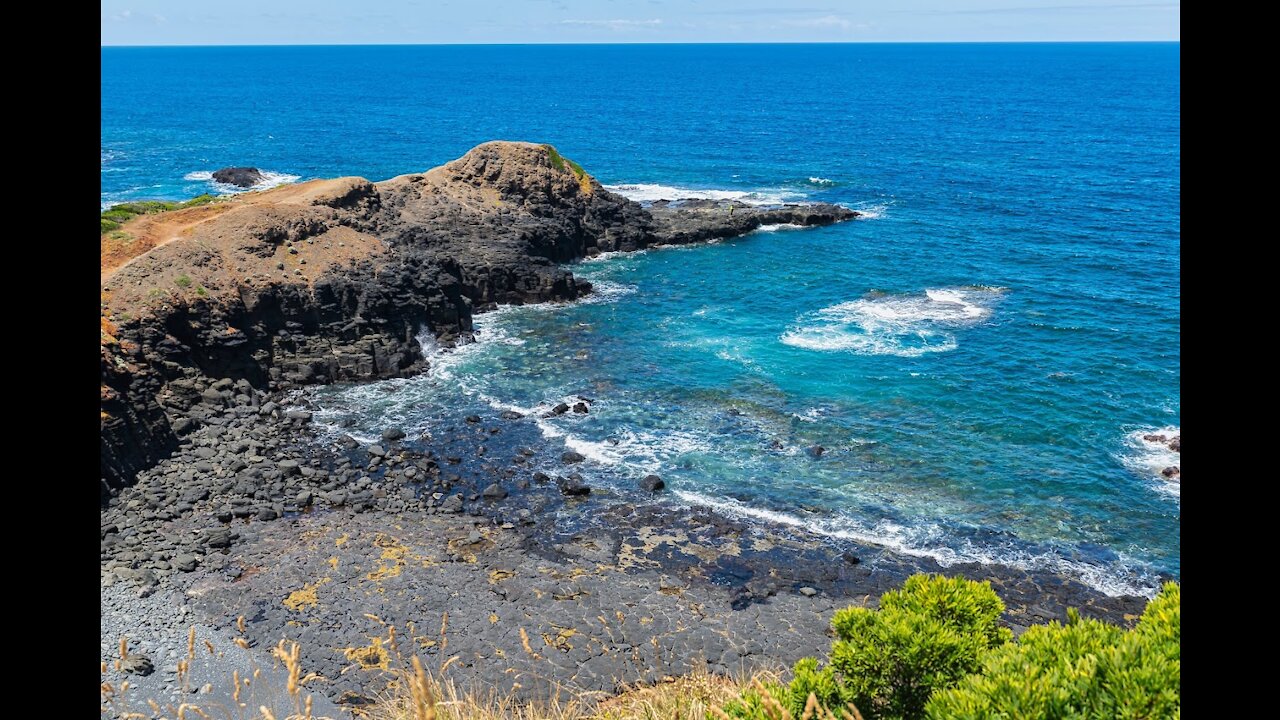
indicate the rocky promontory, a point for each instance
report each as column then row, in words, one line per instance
column 230, row 522
column 334, row 280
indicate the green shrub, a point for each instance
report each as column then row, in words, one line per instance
column 887, row 662
column 204, row 199
column 117, row 215
column 1084, row 669
column 183, row 281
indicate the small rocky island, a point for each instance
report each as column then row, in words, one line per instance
column 243, row 177
column 225, row 515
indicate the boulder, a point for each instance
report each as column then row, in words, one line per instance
column 652, row 483
column 242, row 177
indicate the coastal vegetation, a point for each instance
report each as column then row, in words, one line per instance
column 559, row 162
column 934, row 650
column 117, row 215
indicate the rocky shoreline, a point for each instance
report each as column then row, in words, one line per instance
column 410, row 529
column 221, row 499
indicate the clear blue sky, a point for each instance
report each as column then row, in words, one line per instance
column 287, row 22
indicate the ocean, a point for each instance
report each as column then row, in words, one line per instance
column 978, row 356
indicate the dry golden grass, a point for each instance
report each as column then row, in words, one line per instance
column 414, row 693
column 696, row 696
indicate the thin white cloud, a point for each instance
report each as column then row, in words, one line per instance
column 615, row 24
column 826, row 21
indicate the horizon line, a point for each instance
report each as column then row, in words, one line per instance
column 709, row 42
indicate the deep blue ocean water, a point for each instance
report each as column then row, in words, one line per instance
column 979, row 356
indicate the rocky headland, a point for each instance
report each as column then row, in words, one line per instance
column 220, row 500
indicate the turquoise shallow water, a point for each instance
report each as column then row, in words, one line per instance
column 978, row 356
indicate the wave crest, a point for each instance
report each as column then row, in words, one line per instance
column 651, row 192
column 902, row 325
column 269, row 180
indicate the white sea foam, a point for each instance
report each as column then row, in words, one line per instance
column 778, row 226
column 607, row 291
column 613, row 255
column 1148, row 458
column 931, row 541
column 650, row 192
column 813, row 414
column 902, row 325
column 821, row 181
column 871, row 211
column 269, row 180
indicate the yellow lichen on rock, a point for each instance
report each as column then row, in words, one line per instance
column 304, row 599
column 369, row 657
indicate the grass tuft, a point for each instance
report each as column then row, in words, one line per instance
column 117, row 215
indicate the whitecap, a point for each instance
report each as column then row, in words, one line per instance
column 870, row 211
column 1149, row 457
column 651, row 192
column 778, row 226
column 903, row 325
column 606, row 291
column 933, row 541
column 813, row 180
column 269, row 180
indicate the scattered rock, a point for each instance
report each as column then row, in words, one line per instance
column 494, row 492
column 392, row 434
column 573, row 487
column 218, row 538
column 808, row 591
column 652, row 483
column 580, row 408
column 816, row 450
column 572, row 457
column 137, row 665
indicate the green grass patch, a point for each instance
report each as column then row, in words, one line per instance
column 117, row 215
column 201, row 291
column 183, row 281
column 557, row 160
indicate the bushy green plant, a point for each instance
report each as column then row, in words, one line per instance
column 1084, row 669
column 888, row 662
column 183, row 281
column 117, row 215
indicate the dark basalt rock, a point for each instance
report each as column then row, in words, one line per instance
column 573, row 486
column 239, row 176
column 492, row 227
column 652, row 483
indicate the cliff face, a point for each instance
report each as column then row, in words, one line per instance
column 334, row 279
